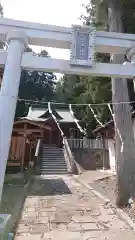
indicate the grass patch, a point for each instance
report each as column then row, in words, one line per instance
column 15, row 182
column 13, row 194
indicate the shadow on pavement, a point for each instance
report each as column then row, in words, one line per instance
column 48, row 187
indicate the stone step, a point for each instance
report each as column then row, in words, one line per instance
column 53, row 164
column 55, row 149
column 53, row 172
column 52, row 160
column 48, row 145
column 53, row 168
column 52, row 157
column 52, row 149
column 51, row 154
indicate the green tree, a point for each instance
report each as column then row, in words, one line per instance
column 35, row 86
column 1, row 11
column 85, row 90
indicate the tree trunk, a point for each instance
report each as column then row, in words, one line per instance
column 125, row 160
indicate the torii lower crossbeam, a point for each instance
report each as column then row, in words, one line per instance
column 30, row 62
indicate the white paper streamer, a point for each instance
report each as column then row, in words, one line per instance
column 134, row 83
column 55, row 119
column 76, row 121
column 95, row 116
column 122, row 144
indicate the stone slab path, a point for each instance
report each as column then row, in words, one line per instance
column 58, row 207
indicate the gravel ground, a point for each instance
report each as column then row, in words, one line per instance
column 107, row 187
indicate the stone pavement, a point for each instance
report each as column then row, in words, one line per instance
column 91, row 176
column 58, row 207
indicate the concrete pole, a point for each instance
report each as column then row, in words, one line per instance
column 18, row 42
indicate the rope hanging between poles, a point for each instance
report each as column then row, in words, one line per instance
column 122, row 143
column 95, row 116
column 76, row 121
column 55, row 119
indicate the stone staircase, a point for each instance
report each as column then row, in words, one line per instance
column 52, row 160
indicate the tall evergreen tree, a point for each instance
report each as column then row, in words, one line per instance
column 35, row 86
column 125, row 160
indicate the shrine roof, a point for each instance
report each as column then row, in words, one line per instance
column 37, row 113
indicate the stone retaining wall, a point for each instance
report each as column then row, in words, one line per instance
column 91, row 159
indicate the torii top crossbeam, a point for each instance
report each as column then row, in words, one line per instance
column 60, row 37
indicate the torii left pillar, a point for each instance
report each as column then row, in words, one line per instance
column 18, row 42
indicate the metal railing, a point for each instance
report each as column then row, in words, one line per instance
column 87, row 143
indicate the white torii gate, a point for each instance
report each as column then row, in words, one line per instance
column 81, row 40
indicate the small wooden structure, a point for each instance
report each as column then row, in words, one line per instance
column 23, row 143
column 39, row 124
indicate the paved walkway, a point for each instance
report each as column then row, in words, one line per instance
column 60, row 208
column 91, row 176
